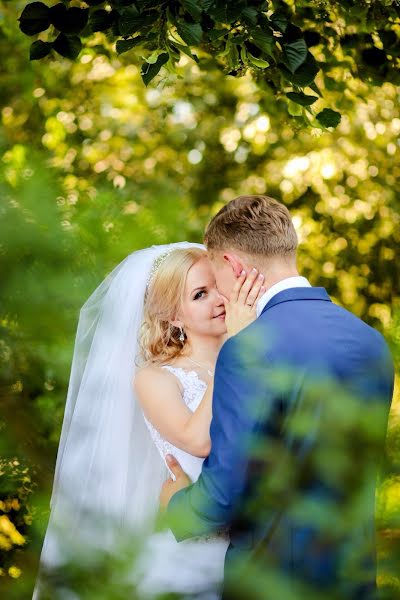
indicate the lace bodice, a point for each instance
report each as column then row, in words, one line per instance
column 193, row 392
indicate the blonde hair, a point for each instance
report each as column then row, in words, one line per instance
column 256, row 225
column 159, row 339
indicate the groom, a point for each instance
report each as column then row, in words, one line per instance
column 300, row 406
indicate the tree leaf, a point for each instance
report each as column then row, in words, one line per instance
column 304, row 75
column 193, row 8
column 301, row 98
column 329, row 117
column 294, row 109
column 279, row 21
column 215, row 34
column 67, row 46
column 249, row 15
column 262, row 40
column 233, row 56
column 71, row 20
column 258, row 62
column 76, row 20
column 294, row 54
column 218, row 11
column 152, row 59
column 206, row 4
column 313, row 86
column 101, row 20
column 191, row 33
column 57, row 14
column 186, row 50
column 132, row 21
column 94, row 2
column 34, row 18
column 125, row 45
column 150, row 71
column 39, row 50
column 233, row 9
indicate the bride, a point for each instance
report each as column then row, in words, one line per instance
column 140, row 388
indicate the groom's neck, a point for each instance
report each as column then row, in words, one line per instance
column 272, row 280
column 275, row 271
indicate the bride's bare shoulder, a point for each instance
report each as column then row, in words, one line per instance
column 153, row 376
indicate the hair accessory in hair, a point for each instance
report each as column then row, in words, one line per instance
column 157, row 263
column 182, row 336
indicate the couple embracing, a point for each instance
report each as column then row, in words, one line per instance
column 215, row 381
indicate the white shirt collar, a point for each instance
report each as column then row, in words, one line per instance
column 284, row 284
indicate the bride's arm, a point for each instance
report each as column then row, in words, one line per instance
column 160, row 397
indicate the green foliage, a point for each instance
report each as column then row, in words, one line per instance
column 35, row 18
column 101, row 20
column 39, row 50
column 150, row 69
column 67, row 46
column 303, row 99
column 329, row 118
column 16, row 514
column 269, row 39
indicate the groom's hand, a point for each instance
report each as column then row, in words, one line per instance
column 170, row 487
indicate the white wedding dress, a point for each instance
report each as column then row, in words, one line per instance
column 195, row 566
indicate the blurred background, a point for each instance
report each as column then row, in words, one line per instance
column 94, row 166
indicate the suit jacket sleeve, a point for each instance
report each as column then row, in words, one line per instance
column 239, row 398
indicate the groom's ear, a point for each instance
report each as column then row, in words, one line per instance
column 235, row 263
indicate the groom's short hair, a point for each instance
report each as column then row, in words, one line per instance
column 256, row 225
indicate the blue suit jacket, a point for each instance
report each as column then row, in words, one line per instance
column 291, row 391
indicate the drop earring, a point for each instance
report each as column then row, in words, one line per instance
column 181, row 337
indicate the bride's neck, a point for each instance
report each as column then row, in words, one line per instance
column 203, row 349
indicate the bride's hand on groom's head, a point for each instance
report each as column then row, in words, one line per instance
column 241, row 307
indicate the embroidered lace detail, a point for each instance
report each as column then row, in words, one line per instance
column 222, row 533
column 193, row 392
column 193, row 386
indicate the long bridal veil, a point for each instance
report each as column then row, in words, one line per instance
column 108, row 471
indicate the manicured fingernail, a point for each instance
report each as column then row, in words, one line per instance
column 242, row 273
column 262, row 289
column 169, row 458
column 254, row 270
column 261, row 276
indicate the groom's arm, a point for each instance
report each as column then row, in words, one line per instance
column 240, row 404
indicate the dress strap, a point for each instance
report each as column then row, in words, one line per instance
column 187, row 377
column 178, row 374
